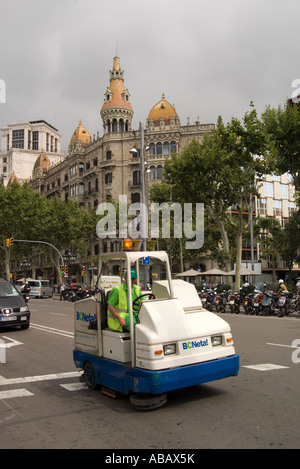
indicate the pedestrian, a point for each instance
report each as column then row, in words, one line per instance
column 62, row 292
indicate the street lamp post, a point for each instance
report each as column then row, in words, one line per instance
column 144, row 218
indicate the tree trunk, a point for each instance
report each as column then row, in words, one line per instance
column 239, row 243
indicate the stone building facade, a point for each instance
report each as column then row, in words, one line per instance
column 102, row 168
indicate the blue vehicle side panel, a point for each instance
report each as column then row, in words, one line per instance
column 124, row 379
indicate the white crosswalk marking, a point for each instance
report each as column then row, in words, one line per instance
column 15, row 393
column 265, row 367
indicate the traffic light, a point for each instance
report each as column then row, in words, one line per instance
column 66, row 270
column 62, row 270
column 83, row 272
column 9, row 242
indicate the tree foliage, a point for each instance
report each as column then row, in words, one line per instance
column 26, row 215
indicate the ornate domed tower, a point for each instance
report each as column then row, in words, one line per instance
column 80, row 134
column 163, row 116
column 116, row 112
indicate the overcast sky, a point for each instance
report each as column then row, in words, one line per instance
column 209, row 57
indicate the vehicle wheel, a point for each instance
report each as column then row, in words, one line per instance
column 266, row 311
column 89, row 375
column 281, row 312
column 25, row 326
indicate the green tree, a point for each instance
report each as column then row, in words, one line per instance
column 20, row 207
column 283, row 127
column 268, row 233
column 220, row 172
column 290, row 243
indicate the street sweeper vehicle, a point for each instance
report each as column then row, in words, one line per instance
column 175, row 344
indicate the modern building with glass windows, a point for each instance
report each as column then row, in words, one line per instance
column 22, row 143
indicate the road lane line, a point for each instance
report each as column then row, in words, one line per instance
column 281, row 345
column 52, row 330
column 33, row 379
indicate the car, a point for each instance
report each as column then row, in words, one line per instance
column 14, row 310
column 40, row 288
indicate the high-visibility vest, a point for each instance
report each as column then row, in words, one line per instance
column 121, row 307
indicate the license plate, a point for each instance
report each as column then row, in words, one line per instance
column 256, row 305
column 9, row 318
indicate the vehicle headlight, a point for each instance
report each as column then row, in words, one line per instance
column 216, row 340
column 169, row 349
column 23, row 309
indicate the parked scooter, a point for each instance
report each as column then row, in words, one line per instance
column 284, row 301
column 257, row 303
column 248, row 303
column 220, row 302
column 207, row 298
column 78, row 295
column 295, row 304
column 269, row 303
column 234, row 302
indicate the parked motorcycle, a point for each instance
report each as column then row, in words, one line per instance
column 295, row 304
column 207, row 298
column 284, row 301
column 248, row 303
column 80, row 294
column 234, row 302
column 257, row 303
column 220, row 302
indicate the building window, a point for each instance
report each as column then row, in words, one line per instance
column 292, row 208
column 18, row 138
column 159, row 148
column 81, row 188
column 262, row 206
column 108, row 178
column 136, row 178
column 166, row 148
column 135, row 198
column 152, row 173
column 159, row 171
column 277, row 207
column 115, row 125
column 108, row 155
column 269, row 189
column 47, row 142
column 284, row 191
column 35, row 140
column 173, row 147
column 152, row 149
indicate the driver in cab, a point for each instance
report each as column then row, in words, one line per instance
column 118, row 312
